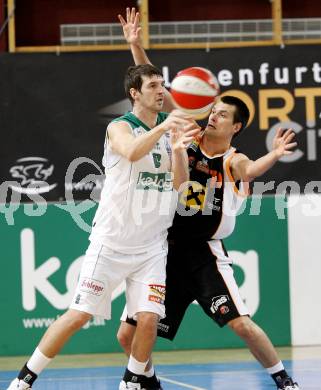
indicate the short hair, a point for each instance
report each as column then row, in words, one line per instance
column 241, row 114
column 133, row 77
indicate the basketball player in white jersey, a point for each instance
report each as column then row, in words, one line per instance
column 128, row 240
column 206, row 214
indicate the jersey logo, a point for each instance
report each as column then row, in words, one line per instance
column 193, row 196
column 217, row 179
column 139, row 130
column 196, row 196
column 191, row 162
column 155, row 181
column 157, row 159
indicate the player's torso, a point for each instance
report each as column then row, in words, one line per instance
column 137, row 200
column 203, row 208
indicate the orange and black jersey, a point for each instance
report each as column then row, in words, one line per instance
column 207, row 206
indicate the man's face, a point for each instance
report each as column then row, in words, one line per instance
column 152, row 93
column 220, row 122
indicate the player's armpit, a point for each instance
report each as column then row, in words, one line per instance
column 241, row 168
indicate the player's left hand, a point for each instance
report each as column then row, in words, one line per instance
column 181, row 138
column 282, row 142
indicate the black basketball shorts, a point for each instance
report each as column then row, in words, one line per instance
column 203, row 273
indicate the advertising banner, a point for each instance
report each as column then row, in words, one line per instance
column 54, row 110
column 41, row 255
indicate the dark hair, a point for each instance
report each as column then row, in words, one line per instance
column 241, row 113
column 133, row 77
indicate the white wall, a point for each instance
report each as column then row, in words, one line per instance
column 304, row 230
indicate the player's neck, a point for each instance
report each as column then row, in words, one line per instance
column 212, row 146
column 148, row 117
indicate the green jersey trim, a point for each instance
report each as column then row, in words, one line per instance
column 134, row 122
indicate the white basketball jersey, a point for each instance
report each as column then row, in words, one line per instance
column 137, row 202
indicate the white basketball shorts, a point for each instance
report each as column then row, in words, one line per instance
column 104, row 269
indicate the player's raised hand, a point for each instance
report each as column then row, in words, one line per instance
column 177, row 119
column 131, row 28
column 282, row 142
column 181, row 137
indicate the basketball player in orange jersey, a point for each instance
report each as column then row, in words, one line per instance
column 205, row 215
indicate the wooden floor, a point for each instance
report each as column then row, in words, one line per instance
column 177, row 357
column 198, row 369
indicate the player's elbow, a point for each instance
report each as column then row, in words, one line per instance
column 249, row 173
column 130, row 153
column 126, row 150
column 132, row 156
column 248, row 177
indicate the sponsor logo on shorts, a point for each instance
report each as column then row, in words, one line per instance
column 157, row 293
column 154, row 298
column 77, row 300
column 163, row 327
column 27, row 378
column 217, row 302
column 224, row 309
column 157, row 289
column 92, row 286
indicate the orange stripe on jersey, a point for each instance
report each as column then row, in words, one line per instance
column 229, row 174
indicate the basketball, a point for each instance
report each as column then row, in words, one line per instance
column 194, row 90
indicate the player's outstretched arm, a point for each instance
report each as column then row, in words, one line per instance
column 132, row 34
column 133, row 148
column 245, row 169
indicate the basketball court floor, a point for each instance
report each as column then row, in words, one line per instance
column 198, row 370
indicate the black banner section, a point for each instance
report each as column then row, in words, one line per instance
column 54, row 110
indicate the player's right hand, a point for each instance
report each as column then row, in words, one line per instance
column 182, row 138
column 282, row 142
column 131, row 28
column 177, row 119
